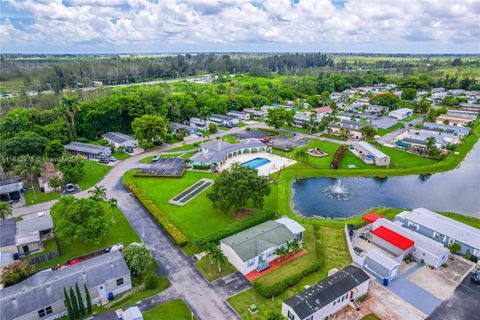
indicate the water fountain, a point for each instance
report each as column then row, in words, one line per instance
column 338, row 191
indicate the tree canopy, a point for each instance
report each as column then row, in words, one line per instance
column 278, row 117
column 148, row 129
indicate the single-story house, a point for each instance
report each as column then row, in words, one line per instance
column 253, row 249
column 369, row 154
column 402, row 242
column 48, row 173
column 442, row 229
column 11, row 189
column 225, row 121
column 327, row 297
column 41, row 296
column 345, row 115
column 244, row 116
column 216, row 152
column 199, row 123
column 371, row 108
column 91, row 151
column 118, row 139
column 469, row 114
column 179, row 128
column 383, row 122
column 415, row 141
column 453, row 120
column 456, row 130
column 301, row 118
column 381, row 265
column 25, row 236
column 353, row 128
column 255, row 113
column 401, row 113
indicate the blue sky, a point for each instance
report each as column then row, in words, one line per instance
column 136, row 26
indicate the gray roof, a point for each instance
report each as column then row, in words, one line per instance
column 349, row 124
column 8, row 229
column 384, row 122
column 323, row 293
column 250, row 243
column 444, row 225
column 38, row 223
column 46, row 287
column 86, row 147
column 175, row 125
column 117, row 137
column 415, row 141
column 10, row 185
column 217, row 150
column 222, row 117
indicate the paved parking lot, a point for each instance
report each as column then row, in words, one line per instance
column 463, row 305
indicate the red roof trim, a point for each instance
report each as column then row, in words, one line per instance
column 372, row 217
column 394, row 238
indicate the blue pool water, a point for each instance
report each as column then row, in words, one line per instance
column 255, row 163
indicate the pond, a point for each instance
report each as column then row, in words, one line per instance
column 452, row 191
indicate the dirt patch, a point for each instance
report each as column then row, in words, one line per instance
column 242, row 214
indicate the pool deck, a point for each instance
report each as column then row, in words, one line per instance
column 276, row 162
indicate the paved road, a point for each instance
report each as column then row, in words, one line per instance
column 463, row 305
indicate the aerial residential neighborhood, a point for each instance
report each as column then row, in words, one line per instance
column 256, row 160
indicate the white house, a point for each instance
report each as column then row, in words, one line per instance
column 199, row 123
column 253, row 249
column 244, row 116
column 90, row 151
column 118, row 139
column 369, row 154
column 225, row 121
column 255, row 113
column 328, row 296
column 401, row 113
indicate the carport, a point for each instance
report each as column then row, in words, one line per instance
column 381, row 265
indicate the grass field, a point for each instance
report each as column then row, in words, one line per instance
column 382, row 132
column 172, row 310
column 291, row 128
column 120, row 155
column 210, row 272
column 121, row 232
column 326, row 245
column 186, row 147
column 94, row 172
column 41, row 196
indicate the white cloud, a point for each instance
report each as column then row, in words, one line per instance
column 241, row 21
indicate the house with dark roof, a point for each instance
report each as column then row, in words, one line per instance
column 179, row 128
column 90, row 151
column 253, row 249
column 328, row 296
column 118, row 139
column 11, row 189
column 41, row 296
column 225, row 121
column 352, row 127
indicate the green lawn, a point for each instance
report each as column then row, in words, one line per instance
column 172, row 310
column 326, row 245
column 371, row 316
column 292, row 128
column 223, row 128
column 94, row 172
column 334, row 136
column 49, row 246
column 121, row 155
column 121, row 232
column 230, row 139
column 186, row 155
column 382, row 132
column 41, row 196
column 186, row 147
column 241, row 125
column 210, row 271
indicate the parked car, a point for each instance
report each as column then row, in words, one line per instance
column 104, row 161
column 129, row 150
column 112, row 159
column 475, row 278
column 70, row 187
column 155, row 158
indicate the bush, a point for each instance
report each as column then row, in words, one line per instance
column 151, row 281
column 16, row 272
column 337, row 158
column 177, row 236
column 243, row 225
column 138, row 258
column 280, row 287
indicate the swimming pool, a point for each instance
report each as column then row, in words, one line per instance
column 255, row 163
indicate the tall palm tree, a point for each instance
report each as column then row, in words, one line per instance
column 70, row 106
column 204, row 113
column 5, row 210
column 98, row 193
column 112, row 204
column 210, row 248
column 29, row 167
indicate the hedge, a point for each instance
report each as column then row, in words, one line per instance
column 177, row 236
column 337, row 158
column 236, row 228
column 280, row 287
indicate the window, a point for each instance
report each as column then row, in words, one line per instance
column 334, row 302
column 119, row 281
column 251, row 262
column 450, row 241
column 48, row 310
column 41, row 313
column 309, row 318
column 290, row 315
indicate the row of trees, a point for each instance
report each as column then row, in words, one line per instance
column 76, row 308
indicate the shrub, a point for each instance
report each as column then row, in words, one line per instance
column 138, row 258
column 280, row 287
column 243, row 225
column 337, row 158
column 177, row 236
column 151, row 281
column 16, row 272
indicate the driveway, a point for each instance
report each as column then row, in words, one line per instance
column 463, row 305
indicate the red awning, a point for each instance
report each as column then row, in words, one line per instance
column 394, row 238
column 372, row 217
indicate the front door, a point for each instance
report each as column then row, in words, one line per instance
column 261, row 258
column 26, row 250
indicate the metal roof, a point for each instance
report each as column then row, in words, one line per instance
column 383, row 259
column 221, row 117
column 217, row 150
column 250, row 243
column 8, row 228
column 11, row 185
column 371, row 149
column 444, row 225
column 45, row 288
column 86, row 147
column 117, row 137
column 325, row 292
column 394, row 238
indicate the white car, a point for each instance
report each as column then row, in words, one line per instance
column 70, row 187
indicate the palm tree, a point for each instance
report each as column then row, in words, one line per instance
column 204, row 113
column 5, row 210
column 29, row 167
column 69, row 105
column 210, row 249
column 294, row 246
column 219, row 257
column 112, row 204
column 98, row 193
